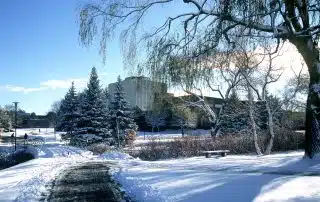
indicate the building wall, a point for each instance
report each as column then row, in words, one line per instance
column 139, row 91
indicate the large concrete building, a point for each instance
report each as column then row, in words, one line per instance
column 140, row 91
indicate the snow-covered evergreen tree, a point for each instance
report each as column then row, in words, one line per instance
column 93, row 110
column 107, row 97
column 234, row 120
column 69, row 111
column 120, row 115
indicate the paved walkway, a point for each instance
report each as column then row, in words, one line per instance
column 85, row 182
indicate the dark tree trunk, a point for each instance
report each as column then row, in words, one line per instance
column 182, row 131
column 309, row 51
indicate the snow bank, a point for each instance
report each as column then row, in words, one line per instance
column 33, row 188
column 138, row 190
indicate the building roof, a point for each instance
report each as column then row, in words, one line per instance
column 209, row 100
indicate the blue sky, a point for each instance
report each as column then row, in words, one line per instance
column 41, row 53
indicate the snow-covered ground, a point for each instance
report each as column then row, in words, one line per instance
column 26, row 181
column 278, row 177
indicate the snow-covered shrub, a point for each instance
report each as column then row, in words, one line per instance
column 99, row 148
column 22, row 155
column 130, row 137
column 285, row 140
column 83, row 140
column 4, row 160
column 65, row 136
column 153, row 150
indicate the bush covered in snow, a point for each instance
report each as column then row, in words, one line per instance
column 4, row 160
column 130, row 137
column 99, row 148
column 22, row 155
column 83, row 140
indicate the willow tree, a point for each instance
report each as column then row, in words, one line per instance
column 211, row 23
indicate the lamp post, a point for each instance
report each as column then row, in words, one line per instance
column 15, row 127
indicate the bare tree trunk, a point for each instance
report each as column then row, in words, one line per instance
column 271, row 131
column 253, row 122
column 309, row 51
column 216, row 128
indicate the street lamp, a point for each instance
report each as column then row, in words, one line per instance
column 15, row 127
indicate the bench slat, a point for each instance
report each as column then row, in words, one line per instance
column 215, row 152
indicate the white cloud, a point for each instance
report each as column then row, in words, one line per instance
column 80, row 83
column 103, row 74
column 23, row 89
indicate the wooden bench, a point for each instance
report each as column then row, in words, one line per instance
column 218, row 152
column 36, row 141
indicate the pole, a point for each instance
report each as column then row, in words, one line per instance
column 15, row 127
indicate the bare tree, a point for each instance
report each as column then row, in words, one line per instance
column 296, row 91
column 259, row 77
column 248, row 62
column 183, row 117
column 156, row 120
column 54, row 115
column 207, row 24
column 214, row 73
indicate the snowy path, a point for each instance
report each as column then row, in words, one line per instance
column 89, row 181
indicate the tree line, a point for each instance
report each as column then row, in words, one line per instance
column 7, row 117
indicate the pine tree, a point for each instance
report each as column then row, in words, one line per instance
column 234, row 120
column 69, row 111
column 139, row 117
column 107, row 97
column 120, row 115
column 93, row 110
